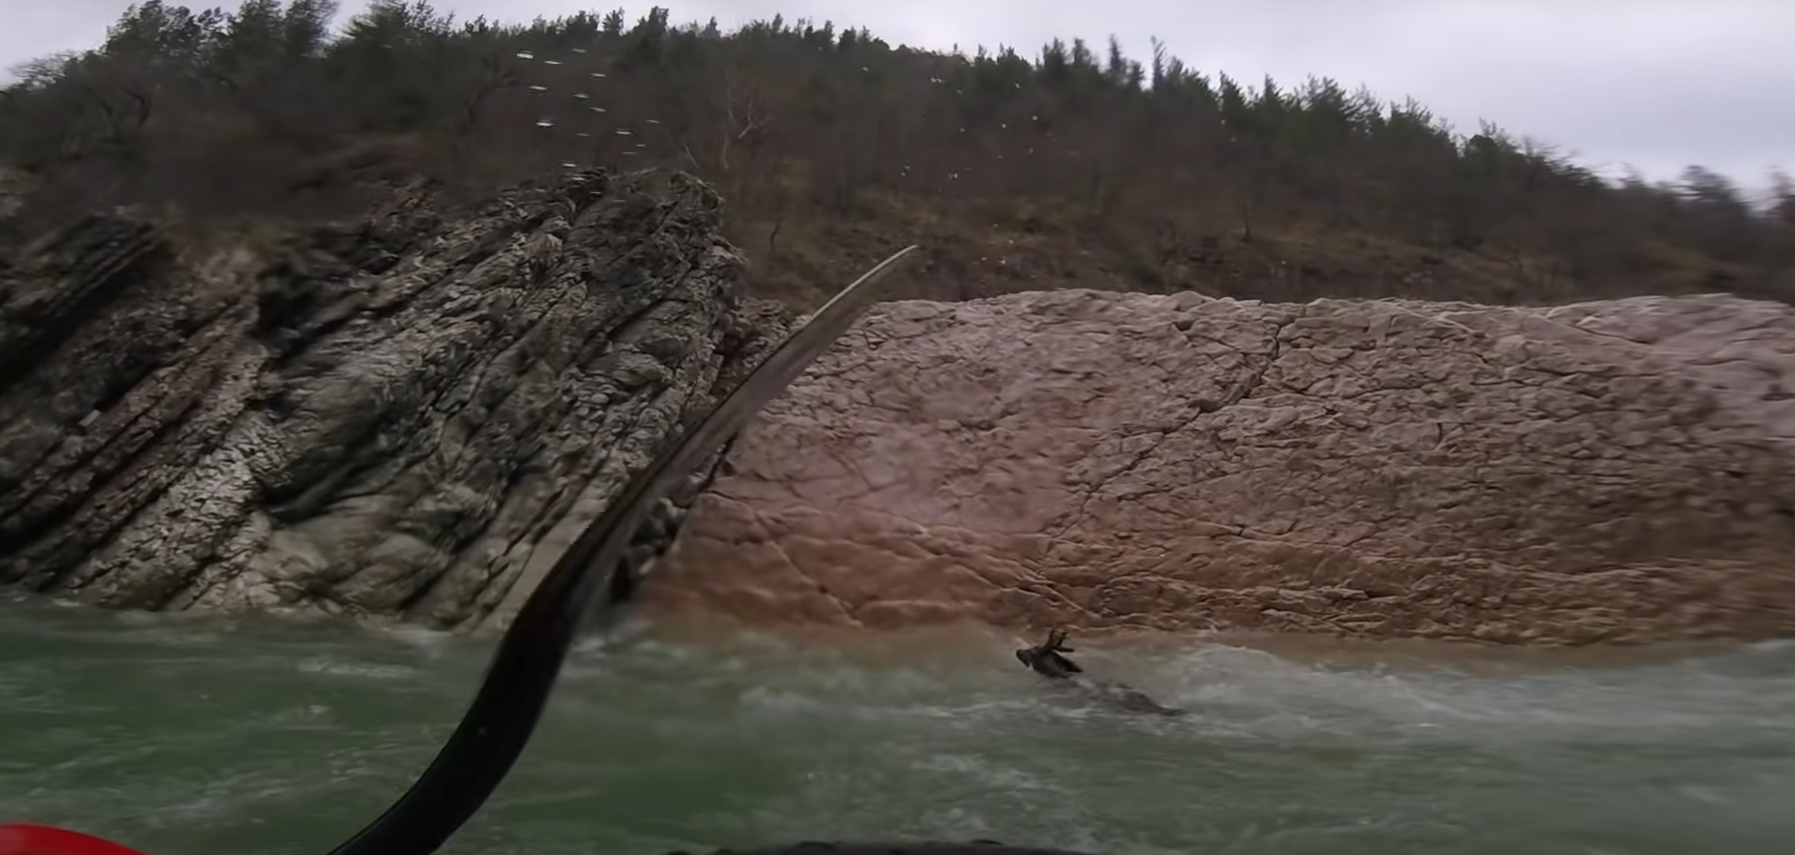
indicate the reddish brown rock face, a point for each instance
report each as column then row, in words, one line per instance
column 1599, row 472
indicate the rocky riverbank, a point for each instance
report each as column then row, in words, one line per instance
column 411, row 416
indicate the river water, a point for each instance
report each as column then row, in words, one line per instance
column 184, row 735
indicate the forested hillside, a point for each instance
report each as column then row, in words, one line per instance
column 1070, row 165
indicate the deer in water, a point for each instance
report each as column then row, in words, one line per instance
column 1049, row 660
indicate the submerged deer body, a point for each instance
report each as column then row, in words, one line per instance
column 1049, row 660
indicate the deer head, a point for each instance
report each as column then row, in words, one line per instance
column 1048, row 659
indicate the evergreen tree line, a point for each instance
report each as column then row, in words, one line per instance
column 268, row 110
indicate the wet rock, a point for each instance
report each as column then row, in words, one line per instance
column 1607, row 471
column 409, row 416
column 14, row 188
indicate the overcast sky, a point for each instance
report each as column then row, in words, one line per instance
column 1655, row 84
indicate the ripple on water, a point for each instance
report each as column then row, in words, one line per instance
column 340, row 668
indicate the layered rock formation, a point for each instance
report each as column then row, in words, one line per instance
column 409, row 416
column 414, row 415
column 1606, row 471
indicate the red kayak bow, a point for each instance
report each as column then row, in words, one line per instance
column 26, row 839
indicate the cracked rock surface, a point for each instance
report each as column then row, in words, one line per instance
column 410, row 416
column 1613, row 471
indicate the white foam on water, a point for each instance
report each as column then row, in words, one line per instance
column 307, row 716
column 957, row 822
column 591, row 645
column 214, row 798
column 1257, row 693
column 985, row 773
column 976, row 713
column 339, row 668
column 778, row 703
column 434, row 643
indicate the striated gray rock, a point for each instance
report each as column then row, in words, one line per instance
column 410, row 416
column 1598, row 472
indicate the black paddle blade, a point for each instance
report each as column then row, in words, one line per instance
column 505, row 710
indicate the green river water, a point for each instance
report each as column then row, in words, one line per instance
column 186, row 735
